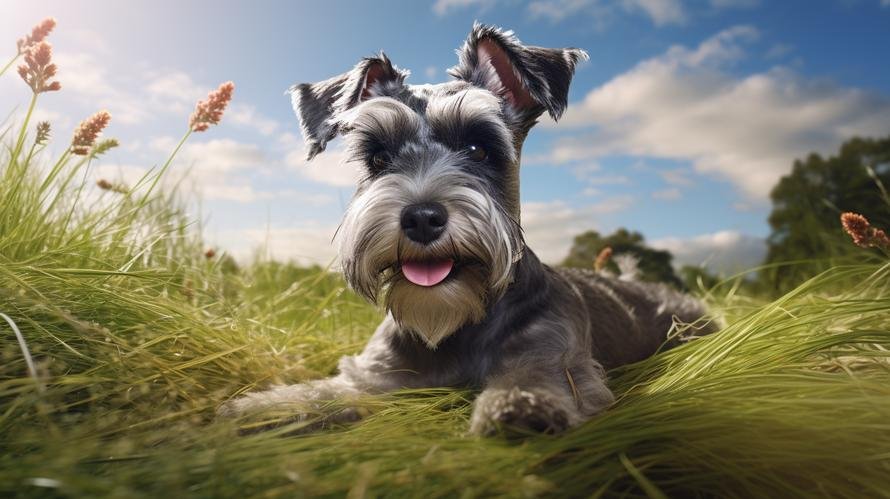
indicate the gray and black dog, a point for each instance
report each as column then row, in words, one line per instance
column 433, row 234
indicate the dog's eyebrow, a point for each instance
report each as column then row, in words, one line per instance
column 381, row 114
column 383, row 120
column 469, row 116
column 468, row 105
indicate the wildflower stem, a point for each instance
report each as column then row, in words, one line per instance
column 54, row 171
column 20, row 143
column 10, row 63
column 164, row 168
column 63, row 186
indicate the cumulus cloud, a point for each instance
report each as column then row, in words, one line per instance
column 685, row 105
column 430, row 73
column 676, row 176
column 310, row 244
column 217, row 169
column 174, row 91
column 557, row 10
column 735, row 4
column 661, row 12
column 725, row 252
column 443, row 7
column 550, row 227
column 248, row 116
column 669, row 194
column 329, row 167
column 220, row 156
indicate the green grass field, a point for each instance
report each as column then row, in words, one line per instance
column 137, row 336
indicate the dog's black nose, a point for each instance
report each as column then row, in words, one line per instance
column 424, row 222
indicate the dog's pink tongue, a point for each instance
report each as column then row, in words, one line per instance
column 427, row 273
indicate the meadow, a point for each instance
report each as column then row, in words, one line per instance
column 121, row 334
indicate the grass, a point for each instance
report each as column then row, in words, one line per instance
column 138, row 336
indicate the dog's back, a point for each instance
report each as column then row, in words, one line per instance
column 629, row 319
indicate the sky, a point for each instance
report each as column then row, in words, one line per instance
column 686, row 115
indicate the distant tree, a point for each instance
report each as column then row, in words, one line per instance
column 698, row 278
column 808, row 201
column 654, row 265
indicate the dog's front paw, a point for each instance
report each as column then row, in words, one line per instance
column 524, row 410
column 247, row 404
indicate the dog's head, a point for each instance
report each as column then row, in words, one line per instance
column 434, row 224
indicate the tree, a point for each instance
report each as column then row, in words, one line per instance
column 698, row 278
column 654, row 265
column 807, row 204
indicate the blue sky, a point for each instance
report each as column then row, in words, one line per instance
column 685, row 116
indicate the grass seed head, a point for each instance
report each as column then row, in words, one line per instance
column 210, row 111
column 38, row 69
column 602, row 258
column 86, row 133
column 104, row 146
column 43, row 132
column 38, row 33
column 862, row 232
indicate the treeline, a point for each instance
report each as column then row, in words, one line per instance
column 806, row 236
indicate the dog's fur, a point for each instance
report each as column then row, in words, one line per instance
column 536, row 341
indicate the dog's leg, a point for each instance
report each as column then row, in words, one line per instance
column 542, row 395
column 305, row 399
column 375, row 370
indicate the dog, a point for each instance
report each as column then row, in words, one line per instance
column 433, row 235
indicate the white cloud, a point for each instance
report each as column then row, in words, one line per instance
column 443, row 7
column 550, row 227
column 305, row 245
column 779, row 51
column 174, row 91
column 725, row 252
column 220, row 156
column 557, row 10
column 430, row 73
column 735, row 4
column 217, row 169
column 247, row 116
column 676, row 176
column 85, row 79
column 607, row 180
column 329, row 167
column 669, row 194
column 684, row 105
column 885, row 3
column 662, row 12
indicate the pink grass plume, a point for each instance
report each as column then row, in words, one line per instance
column 38, row 69
column 88, row 131
column 38, row 34
column 862, row 232
column 210, row 111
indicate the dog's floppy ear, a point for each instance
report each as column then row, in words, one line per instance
column 530, row 79
column 319, row 105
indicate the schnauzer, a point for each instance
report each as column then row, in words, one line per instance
column 433, row 234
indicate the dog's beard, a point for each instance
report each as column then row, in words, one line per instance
column 434, row 312
column 480, row 238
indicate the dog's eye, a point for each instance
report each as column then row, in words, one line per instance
column 380, row 160
column 476, row 152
